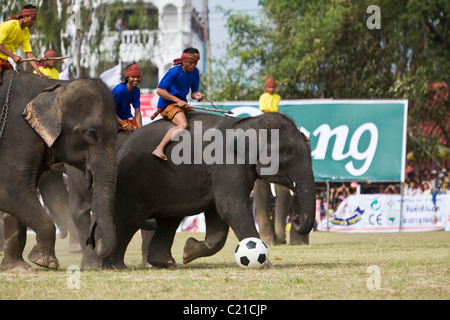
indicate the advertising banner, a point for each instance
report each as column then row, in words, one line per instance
column 351, row 140
column 384, row 213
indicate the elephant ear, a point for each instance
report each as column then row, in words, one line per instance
column 44, row 116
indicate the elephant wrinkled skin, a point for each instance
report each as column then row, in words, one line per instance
column 149, row 187
column 52, row 121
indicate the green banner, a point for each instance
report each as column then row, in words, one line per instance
column 351, row 140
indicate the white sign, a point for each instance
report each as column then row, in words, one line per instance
column 383, row 213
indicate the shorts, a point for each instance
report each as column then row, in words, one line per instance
column 131, row 122
column 171, row 110
column 5, row 65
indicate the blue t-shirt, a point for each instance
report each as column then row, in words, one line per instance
column 177, row 83
column 124, row 98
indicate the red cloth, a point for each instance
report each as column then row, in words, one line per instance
column 32, row 12
column 189, row 57
column 5, row 65
column 133, row 71
column 47, row 54
column 270, row 82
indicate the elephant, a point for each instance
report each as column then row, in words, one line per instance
column 272, row 232
column 80, row 205
column 47, row 121
column 55, row 196
column 2, row 233
column 197, row 178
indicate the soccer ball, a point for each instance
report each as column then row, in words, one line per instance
column 251, row 253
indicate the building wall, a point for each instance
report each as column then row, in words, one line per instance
column 178, row 29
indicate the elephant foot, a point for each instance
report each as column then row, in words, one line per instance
column 49, row 261
column 161, row 261
column 145, row 264
column 270, row 241
column 193, row 249
column 117, row 265
column 15, row 265
column 90, row 260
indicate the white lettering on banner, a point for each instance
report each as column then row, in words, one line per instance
column 341, row 133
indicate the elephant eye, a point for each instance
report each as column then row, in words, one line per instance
column 288, row 152
column 90, row 136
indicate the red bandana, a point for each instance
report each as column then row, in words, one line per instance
column 133, row 71
column 189, row 57
column 47, row 54
column 32, row 12
column 270, row 82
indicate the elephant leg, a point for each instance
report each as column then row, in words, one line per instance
column 159, row 250
column 261, row 194
column 146, row 238
column 16, row 237
column 216, row 236
column 283, row 203
column 125, row 231
column 82, row 219
column 56, row 198
column 296, row 238
column 2, row 233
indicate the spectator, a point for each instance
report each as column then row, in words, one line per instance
column 410, row 188
column 427, row 188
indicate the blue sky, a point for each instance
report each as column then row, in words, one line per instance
column 218, row 33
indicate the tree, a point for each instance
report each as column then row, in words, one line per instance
column 324, row 48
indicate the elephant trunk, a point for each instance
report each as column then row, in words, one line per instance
column 103, row 237
column 304, row 213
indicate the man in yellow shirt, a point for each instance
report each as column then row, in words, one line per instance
column 48, row 67
column 269, row 100
column 14, row 33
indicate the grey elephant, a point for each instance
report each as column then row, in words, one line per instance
column 272, row 231
column 79, row 205
column 50, row 121
column 55, row 196
column 211, row 169
column 2, row 233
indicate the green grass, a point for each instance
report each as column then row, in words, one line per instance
column 333, row 266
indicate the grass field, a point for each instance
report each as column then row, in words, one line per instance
column 333, row 266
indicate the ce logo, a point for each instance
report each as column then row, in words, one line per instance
column 375, row 219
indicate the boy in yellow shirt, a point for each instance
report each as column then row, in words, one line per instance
column 269, row 100
column 48, row 67
column 14, row 33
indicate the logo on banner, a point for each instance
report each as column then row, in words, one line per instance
column 391, row 219
column 347, row 216
column 375, row 205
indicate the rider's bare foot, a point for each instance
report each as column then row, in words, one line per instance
column 159, row 153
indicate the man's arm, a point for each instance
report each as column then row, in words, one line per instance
column 197, row 95
column 166, row 95
column 17, row 59
column 138, row 117
column 30, row 55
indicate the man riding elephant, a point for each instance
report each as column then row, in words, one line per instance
column 212, row 170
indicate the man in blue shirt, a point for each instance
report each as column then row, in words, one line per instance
column 127, row 94
column 173, row 89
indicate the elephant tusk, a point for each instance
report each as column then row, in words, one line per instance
column 272, row 189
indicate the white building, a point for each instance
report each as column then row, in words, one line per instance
column 173, row 25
